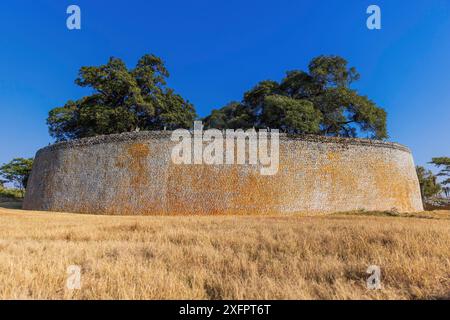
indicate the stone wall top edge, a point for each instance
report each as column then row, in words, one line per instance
column 165, row 135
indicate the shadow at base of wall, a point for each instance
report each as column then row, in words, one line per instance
column 11, row 204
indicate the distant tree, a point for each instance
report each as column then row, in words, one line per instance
column 446, row 191
column 122, row 100
column 444, row 164
column 17, row 172
column 320, row 101
column 428, row 182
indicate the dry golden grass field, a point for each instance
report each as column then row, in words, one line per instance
column 297, row 257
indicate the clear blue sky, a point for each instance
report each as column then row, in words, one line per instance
column 216, row 50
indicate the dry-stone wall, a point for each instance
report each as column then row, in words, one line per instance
column 133, row 174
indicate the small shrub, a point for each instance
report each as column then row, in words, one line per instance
column 7, row 194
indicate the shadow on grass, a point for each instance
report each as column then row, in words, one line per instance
column 420, row 215
column 13, row 204
column 443, row 297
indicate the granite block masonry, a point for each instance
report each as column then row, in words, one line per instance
column 132, row 174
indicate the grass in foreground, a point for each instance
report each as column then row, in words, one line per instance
column 321, row 257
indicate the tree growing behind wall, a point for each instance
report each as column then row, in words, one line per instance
column 317, row 101
column 443, row 163
column 122, row 100
column 17, row 172
column 429, row 185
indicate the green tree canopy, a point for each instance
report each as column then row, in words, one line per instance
column 122, row 100
column 444, row 164
column 17, row 172
column 428, row 182
column 320, row 101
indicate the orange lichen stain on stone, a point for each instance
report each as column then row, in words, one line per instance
column 256, row 192
column 131, row 192
column 179, row 196
column 121, row 161
column 138, row 153
column 393, row 186
column 340, row 177
column 192, row 189
column 224, row 189
column 333, row 156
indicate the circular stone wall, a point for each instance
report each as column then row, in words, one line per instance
column 133, row 173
